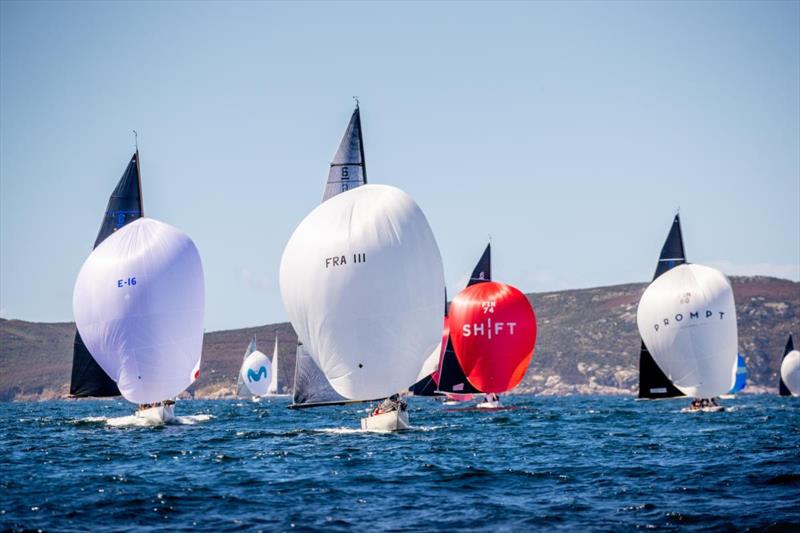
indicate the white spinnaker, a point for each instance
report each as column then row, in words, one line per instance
column 139, row 304
column 361, row 280
column 790, row 372
column 687, row 319
column 273, row 383
column 256, row 372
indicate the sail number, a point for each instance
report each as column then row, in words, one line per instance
column 129, row 282
column 340, row 260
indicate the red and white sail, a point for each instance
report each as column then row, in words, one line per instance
column 493, row 331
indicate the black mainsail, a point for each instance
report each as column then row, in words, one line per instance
column 349, row 168
column 124, row 206
column 451, row 376
column 783, row 390
column 653, row 383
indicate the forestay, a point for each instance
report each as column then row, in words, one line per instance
column 361, row 280
column 687, row 319
column 138, row 304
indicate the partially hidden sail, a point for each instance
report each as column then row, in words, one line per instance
column 273, row 384
column 790, row 370
column 451, row 376
column 739, row 378
column 687, row 319
column 241, row 389
column 348, row 169
column 139, row 306
column 653, row 383
column 311, row 387
column 124, row 206
column 256, row 373
column 361, row 279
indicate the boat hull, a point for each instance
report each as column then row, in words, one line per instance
column 391, row 421
column 489, row 405
column 714, row 409
column 161, row 414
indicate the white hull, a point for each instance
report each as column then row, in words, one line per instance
column 161, row 414
column 715, row 409
column 489, row 405
column 727, row 397
column 451, row 402
column 391, row 421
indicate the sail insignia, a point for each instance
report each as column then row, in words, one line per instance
column 124, row 206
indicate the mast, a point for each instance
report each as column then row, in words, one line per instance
column 783, row 390
column 124, row 206
column 653, row 383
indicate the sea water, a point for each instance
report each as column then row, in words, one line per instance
column 548, row 463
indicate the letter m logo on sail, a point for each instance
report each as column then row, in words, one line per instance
column 256, row 376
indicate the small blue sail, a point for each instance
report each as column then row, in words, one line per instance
column 741, row 375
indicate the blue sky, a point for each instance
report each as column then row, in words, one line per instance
column 569, row 132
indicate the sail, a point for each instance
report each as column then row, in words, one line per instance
column 653, row 383
column 311, row 387
column 451, row 377
column 348, row 168
column 241, row 389
column 138, row 304
column 483, row 270
column 273, row 384
column 739, row 378
column 493, row 332
column 786, row 371
column 687, row 319
column 124, row 205
column 428, row 376
column 256, row 373
column 361, row 280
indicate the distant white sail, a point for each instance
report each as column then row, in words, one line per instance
column 687, row 319
column 431, row 364
column 256, row 372
column 361, row 280
column 273, row 384
column 241, row 389
column 139, row 304
column 790, row 372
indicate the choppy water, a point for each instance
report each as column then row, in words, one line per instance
column 548, row 463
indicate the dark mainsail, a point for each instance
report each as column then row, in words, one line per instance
column 653, row 383
column 783, row 390
column 348, row 168
column 483, row 270
column 125, row 205
column 451, row 376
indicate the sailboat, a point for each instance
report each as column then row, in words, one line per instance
column 687, row 320
column 491, row 337
column 273, row 390
column 256, row 372
column 124, row 206
column 241, row 389
column 138, row 304
column 361, row 279
column 653, row 383
column 789, row 384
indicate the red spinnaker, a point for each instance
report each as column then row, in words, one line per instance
column 493, row 329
